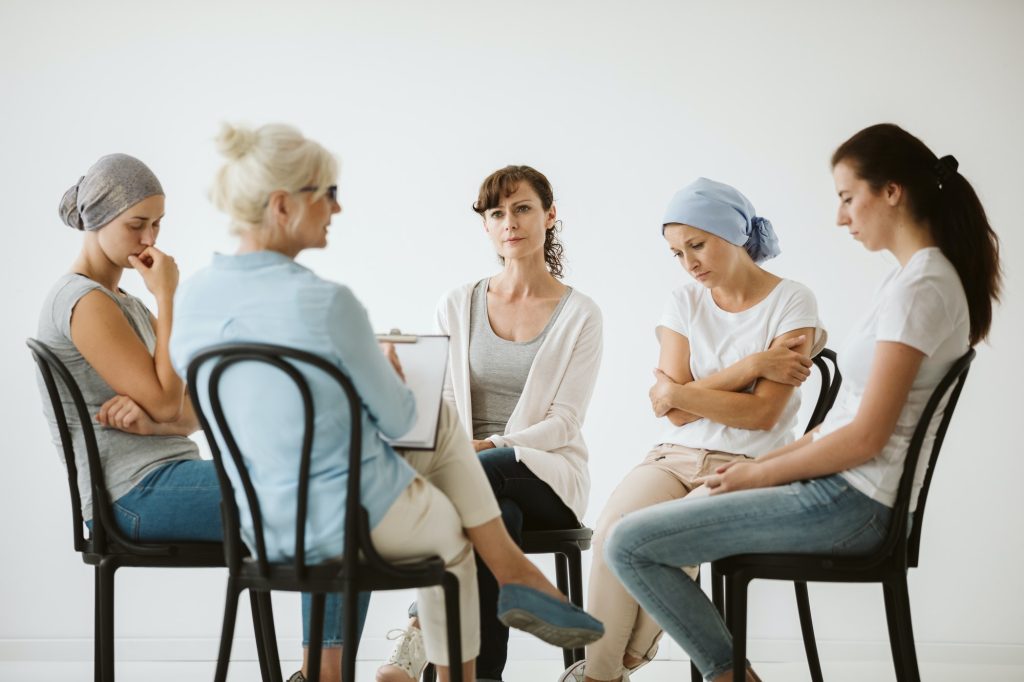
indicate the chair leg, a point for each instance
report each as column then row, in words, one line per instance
column 351, row 642
column 574, row 561
column 718, row 592
column 901, row 629
column 803, row 606
column 97, row 632
column 106, row 570
column 227, row 630
column 736, row 602
column 316, row 636
column 270, row 636
column 562, row 581
column 263, row 626
column 452, row 618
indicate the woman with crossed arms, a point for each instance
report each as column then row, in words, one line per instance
column 833, row 489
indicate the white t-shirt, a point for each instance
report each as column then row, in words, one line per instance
column 719, row 339
column 923, row 306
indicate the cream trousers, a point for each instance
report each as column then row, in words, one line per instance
column 667, row 473
column 450, row 492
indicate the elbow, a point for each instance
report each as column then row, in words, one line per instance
column 765, row 420
column 166, row 411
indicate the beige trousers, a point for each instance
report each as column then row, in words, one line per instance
column 667, row 473
column 450, row 492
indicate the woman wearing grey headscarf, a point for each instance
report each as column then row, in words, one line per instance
column 117, row 352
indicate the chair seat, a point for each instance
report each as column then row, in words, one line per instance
column 548, row 541
column 329, row 576
column 177, row 554
column 807, row 567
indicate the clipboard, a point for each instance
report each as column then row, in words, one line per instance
column 424, row 361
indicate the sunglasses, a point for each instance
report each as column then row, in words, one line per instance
column 332, row 191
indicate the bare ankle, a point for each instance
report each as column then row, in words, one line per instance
column 631, row 661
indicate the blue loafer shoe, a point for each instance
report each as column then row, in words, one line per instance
column 552, row 620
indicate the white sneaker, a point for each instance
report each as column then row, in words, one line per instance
column 577, row 671
column 574, row 673
column 408, row 654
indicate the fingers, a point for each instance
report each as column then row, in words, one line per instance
column 120, row 412
column 139, row 264
column 794, row 342
column 388, row 349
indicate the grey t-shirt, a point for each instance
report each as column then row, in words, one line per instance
column 497, row 367
column 126, row 458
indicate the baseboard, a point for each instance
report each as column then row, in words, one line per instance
column 378, row 648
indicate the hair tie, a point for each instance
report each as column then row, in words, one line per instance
column 946, row 169
column 763, row 242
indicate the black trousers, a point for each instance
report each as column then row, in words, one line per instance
column 527, row 503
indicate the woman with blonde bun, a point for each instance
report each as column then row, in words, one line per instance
column 117, row 352
column 280, row 190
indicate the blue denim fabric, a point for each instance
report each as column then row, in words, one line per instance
column 647, row 547
column 178, row 501
column 334, row 618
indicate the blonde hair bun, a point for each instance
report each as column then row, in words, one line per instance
column 235, row 142
column 260, row 161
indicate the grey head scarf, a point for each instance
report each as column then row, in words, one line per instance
column 113, row 184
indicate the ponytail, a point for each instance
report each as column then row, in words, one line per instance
column 943, row 198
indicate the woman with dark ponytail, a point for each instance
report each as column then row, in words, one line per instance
column 833, row 489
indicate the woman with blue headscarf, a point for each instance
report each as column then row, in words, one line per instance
column 833, row 491
column 736, row 341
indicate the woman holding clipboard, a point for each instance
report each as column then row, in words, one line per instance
column 280, row 190
column 524, row 355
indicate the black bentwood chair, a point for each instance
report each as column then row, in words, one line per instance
column 107, row 548
column 828, row 389
column 360, row 568
column 887, row 565
column 567, row 544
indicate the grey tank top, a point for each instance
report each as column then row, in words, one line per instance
column 497, row 367
column 126, row 458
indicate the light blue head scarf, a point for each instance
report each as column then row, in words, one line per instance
column 721, row 210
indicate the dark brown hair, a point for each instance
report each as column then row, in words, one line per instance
column 940, row 197
column 503, row 183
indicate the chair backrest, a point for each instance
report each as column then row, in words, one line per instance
column 828, row 389
column 952, row 383
column 222, row 357
column 104, row 528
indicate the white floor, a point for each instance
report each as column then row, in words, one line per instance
column 534, row 671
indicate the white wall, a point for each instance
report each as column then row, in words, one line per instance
column 620, row 104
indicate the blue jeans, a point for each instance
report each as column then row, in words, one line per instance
column 177, row 501
column 647, row 547
column 334, row 618
column 181, row 501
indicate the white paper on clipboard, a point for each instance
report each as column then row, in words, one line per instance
column 424, row 363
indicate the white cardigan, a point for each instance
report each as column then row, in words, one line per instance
column 545, row 426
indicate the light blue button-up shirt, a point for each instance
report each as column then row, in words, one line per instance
column 266, row 297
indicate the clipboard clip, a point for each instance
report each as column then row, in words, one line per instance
column 396, row 336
